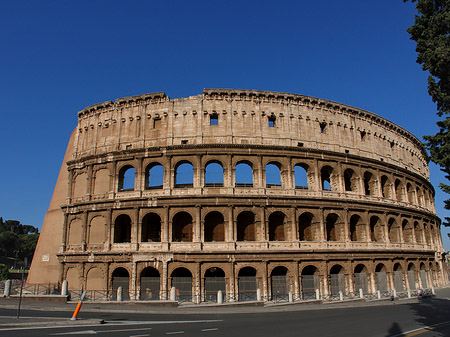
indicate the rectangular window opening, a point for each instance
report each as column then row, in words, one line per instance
column 214, row 119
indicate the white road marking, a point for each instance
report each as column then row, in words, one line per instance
column 140, row 335
column 174, row 332
column 97, row 332
column 83, row 332
column 422, row 328
column 212, row 329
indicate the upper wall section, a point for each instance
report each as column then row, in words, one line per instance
column 227, row 116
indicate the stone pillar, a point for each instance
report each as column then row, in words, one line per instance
column 165, row 224
column 346, row 227
column 135, row 231
column 163, row 291
column 198, row 227
column 133, row 291
column 263, row 229
column 230, row 231
column 322, row 229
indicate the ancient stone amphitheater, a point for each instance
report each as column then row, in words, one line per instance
column 261, row 195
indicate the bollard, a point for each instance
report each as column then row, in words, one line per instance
column 64, row 288
column 291, row 298
column 317, row 294
column 379, row 294
column 433, row 291
column 119, row 294
column 409, row 293
column 341, row 295
column 173, row 294
column 219, row 297
column 361, row 294
column 7, row 290
column 395, row 293
column 77, row 309
column 258, row 294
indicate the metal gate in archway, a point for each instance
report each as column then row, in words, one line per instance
column 423, row 277
column 337, row 284
column 309, row 285
column 412, row 279
column 123, row 282
column 280, row 287
column 398, row 281
column 382, row 281
column 247, row 286
column 150, row 288
column 361, row 283
column 212, row 286
column 183, row 288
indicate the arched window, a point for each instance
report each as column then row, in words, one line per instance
column 419, row 196
column 182, row 281
column 350, row 181
column 121, row 278
column 331, row 222
column 214, row 281
column 376, row 229
column 386, row 187
column 246, row 228
column 410, row 191
column 151, row 228
column 301, row 176
column 244, row 174
column 369, row 186
column 337, row 280
column 273, row 175
column 418, row 232
column 394, row 230
column 310, row 282
column 361, row 278
column 356, row 228
column 122, row 229
column 399, row 190
column 247, row 284
column 279, row 283
column 407, row 231
column 126, row 178
column 276, row 226
column 325, row 176
column 214, row 175
column 184, row 175
column 154, row 176
column 305, row 230
column 182, row 228
column 150, row 284
column 214, row 227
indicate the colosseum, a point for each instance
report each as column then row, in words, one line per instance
column 254, row 195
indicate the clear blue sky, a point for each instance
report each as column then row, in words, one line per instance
column 58, row 57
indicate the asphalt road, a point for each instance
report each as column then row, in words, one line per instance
column 429, row 317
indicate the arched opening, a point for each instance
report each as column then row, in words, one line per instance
column 150, row 284
column 410, row 192
column 95, row 279
column 154, row 176
column 361, row 279
column 381, row 278
column 214, row 227
column 407, row 231
column 399, row 190
column 184, row 174
column 214, row 174
column 369, row 188
column 305, row 230
column 331, row 223
column 247, row 284
column 398, row 278
column 120, row 278
column 246, row 228
column 151, row 228
column 325, row 176
column 244, row 174
column 412, row 276
column 376, row 229
column 357, row 228
column 350, row 181
column 126, row 178
column 279, row 284
column 181, row 280
column 394, row 231
column 214, row 281
column 418, row 232
column 273, row 175
column 337, row 280
column 310, row 282
column 427, row 234
column 122, row 229
column 386, row 187
column 423, row 276
column 182, row 228
column 276, row 226
column 301, row 176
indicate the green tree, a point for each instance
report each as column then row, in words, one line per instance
column 431, row 31
column 4, row 274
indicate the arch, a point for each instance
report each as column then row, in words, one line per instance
column 361, row 280
column 350, row 181
column 325, row 177
column 126, row 178
column 246, row 227
column 182, row 227
column 214, row 174
column 376, row 229
column 181, row 280
column 386, row 187
column 73, row 279
column 410, row 193
column 277, row 226
column 150, row 284
column 331, row 224
column 369, row 183
column 337, row 280
column 427, row 234
column 394, row 230
column 381, row 278
column 419, row 196
column 398, row 278
column 273, row 174
column 154, row 176
column 94, row 279
column 407, row 232
column 310, row 282
column 122, row 229
column 75, row 234
column 424, row 275
column 97, row 230
column 184, row 174
column 214, row 281
column 356, row 228
column 101, row 182
column 399, row 190
column 418, row 232
column 412, row 276
column 120, row 278
column 279, row 283
column 80, row 185
column 301, row 176
column 305, row 227
column 244, row 174
column 214, row 227
column 247, row 284
column 151, row 228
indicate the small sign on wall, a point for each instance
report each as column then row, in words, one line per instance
column 45, row 258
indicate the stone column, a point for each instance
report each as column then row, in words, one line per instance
column 165, row 229
column 230, row 231
column 198, row 226
column 163, row 291
column 322, row 229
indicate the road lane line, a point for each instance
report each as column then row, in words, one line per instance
column 212, row 329
column 140, row 335
column 174, row 332
column 419, row 331
column 98, row 331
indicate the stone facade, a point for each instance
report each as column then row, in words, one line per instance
column 238, row 190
